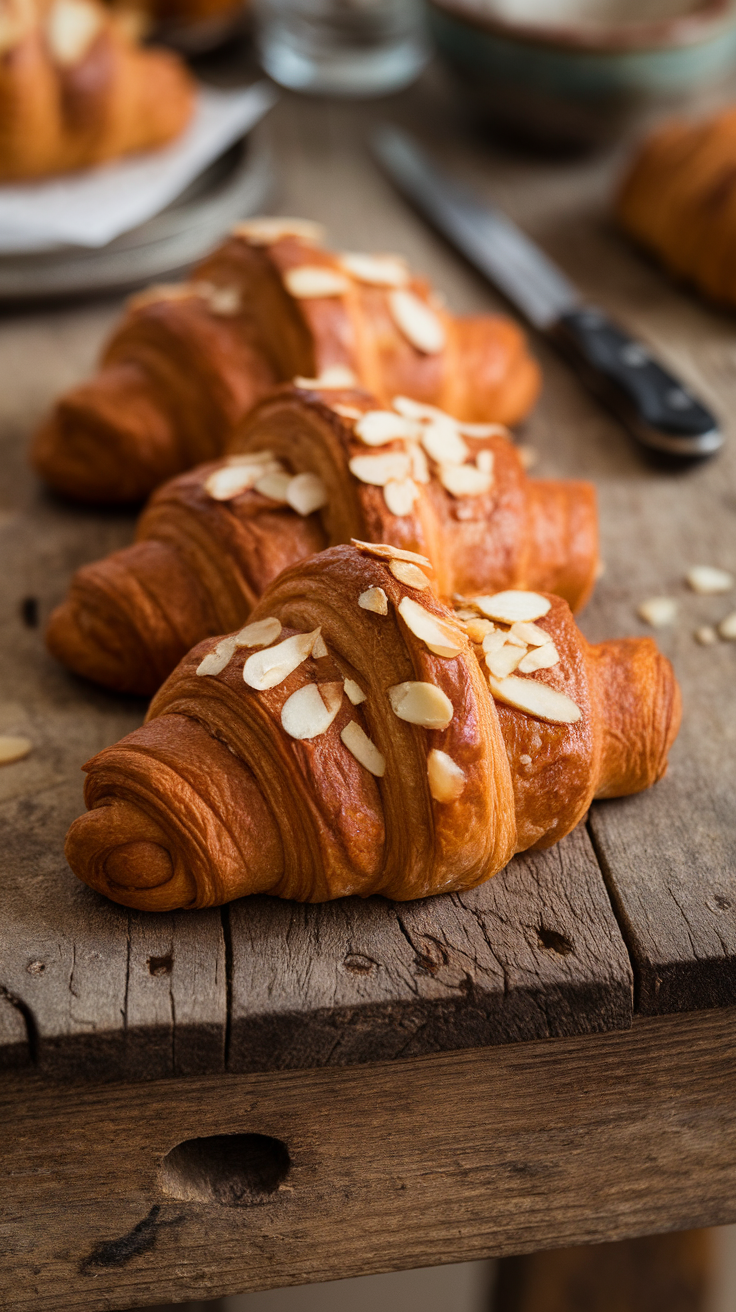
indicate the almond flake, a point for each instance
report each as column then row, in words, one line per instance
column 376, row 427
column 477, row 630
column 274, row 485
column 465, row 480
column 380, row 470
column 421, row 703
column 528, row 456
column 400, row 495
column 727, row 627
column 406, row 405
column 484, row 462
column 309, row 711
column 529, row 633
column 336, row 377
column 706, row 635
column 374, row 599
column 536, row 698
column 376, row 270
column 443, row 443
column 162, row 291
column 480, row 431
column 508, row 607
column 71, row 27
column 13, row 748
column 266, row 669
column 385, row 551
column 410, row 575
column 312, row 281
column 224, row 301
column 305, row 493
column 233, row 479
column 658, row 611
column 440, row 637
column 709, row 580
column 540, row 658
column 346, row 411
column 258, row 634
column 494, row 640
column 320, row 648
column 419, row 324
column 353, row 692
column 419, row 466
column 365, row 752
column 446, row 779
column 504, row 661
column 262, row 232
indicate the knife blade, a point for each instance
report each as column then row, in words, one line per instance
column 660, row 412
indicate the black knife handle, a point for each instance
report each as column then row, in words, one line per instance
column 660, row 413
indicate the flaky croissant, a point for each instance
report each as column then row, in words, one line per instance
column 359, row 737
column 211, row 540
column 189, row 361
column 76, row 90
column 679, row 201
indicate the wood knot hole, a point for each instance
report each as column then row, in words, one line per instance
column 36, row 967
column 234, row 1170
column 358, row 964
column 431, row 955
column 161, row 965
column 554, row 942
column 722, row 902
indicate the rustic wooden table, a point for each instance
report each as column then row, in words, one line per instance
column 548, row 1060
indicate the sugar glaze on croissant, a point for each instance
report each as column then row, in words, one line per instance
column 311, row 468
column 188, row 361
column 360, row 737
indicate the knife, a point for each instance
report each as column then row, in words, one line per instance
column 659, row 411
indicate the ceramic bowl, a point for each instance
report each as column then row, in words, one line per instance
column 580, row 78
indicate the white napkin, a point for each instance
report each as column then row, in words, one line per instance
column 93, row 206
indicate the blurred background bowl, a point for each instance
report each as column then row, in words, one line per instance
column 581, row 77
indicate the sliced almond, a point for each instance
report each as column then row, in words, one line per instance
column 484, row 462
column 480, row 431
column 71, row 27
column 441, row 638
column 418, row 323
column 374, row 599
column 376, row 270
column 320, row 648
column 346, row 411
column 658, row 611
column 706, row 635
column 259, row 458
column 258, row 634
column 353, row 692
column 421, row 703
column 13, row 748
column 443, row 443
column 233, row 479
column 536, row 698
column 262, row 232
column 336, row 377
column 406, row 405
column 400, row 495
column 266, row 669
column 376, row 427
column 225, row 301
column 504, row 661
column 540, row 658
column 162, row 291
column 528, row 456
column 477, row 630
column 494, row 640
column 380, row 470
column 513, row 605
column 312, row 281
column 709, row 580
column 410, row 575
column 275, row 486
column 514, row 640
column 309, row 711
column 385, row 551
column 727, row 627
column 529, row 633
column 446, row 778
column 365, row 752
column 419, row 467
column 306, row 493
column 465, row 480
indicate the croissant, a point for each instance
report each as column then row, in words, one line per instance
column 317, row 468
column 679, row 201
column 189, row 361
column 76, row 90
column 360, row 737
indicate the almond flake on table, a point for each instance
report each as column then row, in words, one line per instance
column 504, row 661
column 446, row 778
column 441, row 638
column 658, row 611
column 706, row 635
column 262, row 232
column 465, row 480
column 377, row 427
column 379, row 470
column 421, row 703
column 275, row 486
column 336, row 377
column 309, row 282
column 385, row 551
column 410, row 575
column 261, row 633
column 727, row 627
column 309, row 712
column 374, row 599
column 400, row 495
column 708, row 580
column 353, row 692
column 443, row 443
column 376, row 270
column 537, row 699
column 529, row 633
column 365, row 752
column 540, row 658
column 266, row 669
column 13, row 748
column 513, row 605
column 306, row 493
column 418, row 323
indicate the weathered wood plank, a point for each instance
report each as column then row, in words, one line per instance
column 435, row 1159
column 534, row 953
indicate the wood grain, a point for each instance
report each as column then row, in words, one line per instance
column 430, row 1160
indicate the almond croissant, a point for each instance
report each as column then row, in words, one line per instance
column 317, row 468
column 76, row 90
column 679, row 201
column 359, row 737
column 189, row 361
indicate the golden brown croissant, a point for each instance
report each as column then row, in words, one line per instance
column 211, row 540
column 359, row 737
column 189, row 361
column 679, row 200
column 76, row 90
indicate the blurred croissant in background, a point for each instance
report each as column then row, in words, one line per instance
column 77, row 90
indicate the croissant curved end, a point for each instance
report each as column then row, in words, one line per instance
column 140, row 871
